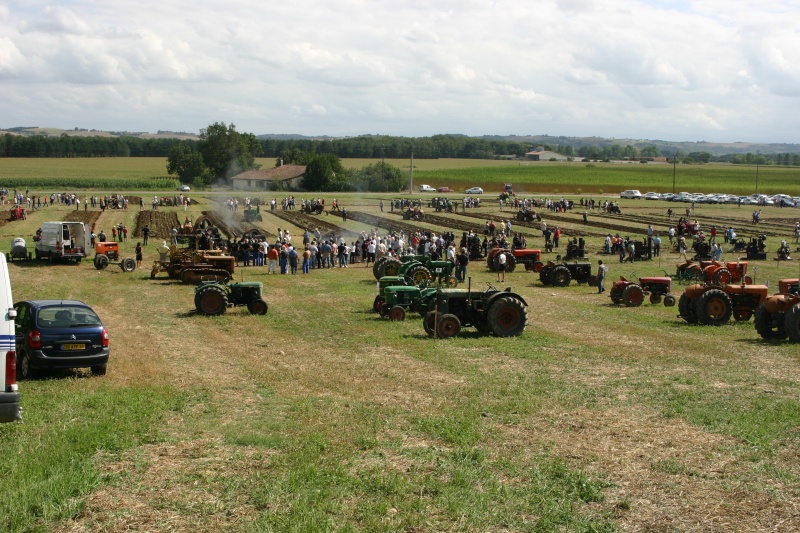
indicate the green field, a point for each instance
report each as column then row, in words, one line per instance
column 527, row 177
column 320, row 416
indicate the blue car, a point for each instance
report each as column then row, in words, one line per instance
column 59, row 334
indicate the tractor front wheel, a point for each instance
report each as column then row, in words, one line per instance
column 669, row 301
column 257, row 307
column 686, row 309
column 771, row 326
column 722, row 276
column 397, row 313
column 655, row 298
column 633, row 296
column 507, row 317
column 448, row 326
column 714, row 307
column 212, row 301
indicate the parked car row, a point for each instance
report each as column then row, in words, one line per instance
column 428, row 188
column 716, row 198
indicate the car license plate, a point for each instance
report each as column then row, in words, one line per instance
column 73, row 346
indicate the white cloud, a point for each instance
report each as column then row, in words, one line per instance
column 669, row 69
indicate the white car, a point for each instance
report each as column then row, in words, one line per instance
column 630, row 194
column 183, row 188
column 426, row 188
column 474, row 190
column 652, row 196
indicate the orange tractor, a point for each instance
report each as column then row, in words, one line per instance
column 531, row 259
column 714, row 305
column 107, row 253
column 632, row 294
column 779, row 316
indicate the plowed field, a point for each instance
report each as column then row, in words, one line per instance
column 160, row 223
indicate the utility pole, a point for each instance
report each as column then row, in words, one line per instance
column 411, row 169
column 674, row 163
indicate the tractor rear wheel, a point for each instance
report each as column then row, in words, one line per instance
column 771, row 326
column 560, row 276
column 714, row 307
column 507, row 317
column 448, row 326
column 722, row 276
column 633, row 296
column 212, row 301
column 686, row 309
column 376, row 266
column 655, row 298
column 100, row 261
column 616, row 300
column 377, row 303
column 418, row 274
column 257, row 307
column 792, row 323
column 669, row 301
column 511, row 262
column 429, row 323
column 397, row 313
column 390, row 267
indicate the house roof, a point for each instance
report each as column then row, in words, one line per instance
column 281, row 173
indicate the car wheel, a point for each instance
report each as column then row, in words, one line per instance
column 24, row 368
column 99, row 370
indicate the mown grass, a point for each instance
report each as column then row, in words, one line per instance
column 320, row 416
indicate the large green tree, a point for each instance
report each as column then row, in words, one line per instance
column 226, row 152
column 379, row 177
column 324, row 172
column 186, row 163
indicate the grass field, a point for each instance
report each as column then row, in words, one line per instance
column 527, row 177
column 320, row 416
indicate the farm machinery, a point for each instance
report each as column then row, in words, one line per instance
column 107, row 253
column 713, row 305
column 632, row 294
column 252, row 215
column 18, row 213
column 414, row 213
column 397, row 299
column 783, row 252
column 712, row 272
column 19, row 250
column 213, row 298
column 192, row 265
column 576, row 249
column 779, row 316
column 756, row 248
column 531, row 259
column 560, row 274
column 502, row 313
column 418, row 268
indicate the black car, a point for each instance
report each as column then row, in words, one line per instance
column 59, row 334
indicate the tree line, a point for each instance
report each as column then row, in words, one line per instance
column 365, row 146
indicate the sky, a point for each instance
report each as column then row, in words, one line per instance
column 640, row 69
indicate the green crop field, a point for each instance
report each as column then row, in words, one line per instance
column 321, row 416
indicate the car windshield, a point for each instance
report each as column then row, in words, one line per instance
column 66, row 316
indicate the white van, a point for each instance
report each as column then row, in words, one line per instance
column 426, row 188
column 9, row 395
column 64, row 240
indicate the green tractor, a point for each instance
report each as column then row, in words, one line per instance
column 423, row 272
column 213, row 298
column 252, row 215
column 390, row 266
column 383, row 284
column 502, row 313
column 399, row 298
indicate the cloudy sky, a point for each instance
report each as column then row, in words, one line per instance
column 651, row 69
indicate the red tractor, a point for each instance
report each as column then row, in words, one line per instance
column 18, row 213
column 632, row 294
column 532, row 259
column 779, row 316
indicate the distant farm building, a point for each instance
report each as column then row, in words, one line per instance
column 545, row 155
column 284, row 176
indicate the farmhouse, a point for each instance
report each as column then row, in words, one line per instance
column 261, row 180
column 544, row 155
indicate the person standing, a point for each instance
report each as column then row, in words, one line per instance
column 657, row 246
column 292, row 253
column 601, row 276
column 501, row 267
column 306, row 260
column 145, row 234
column 138, row 255
column 272, row 260
column 462, row 260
